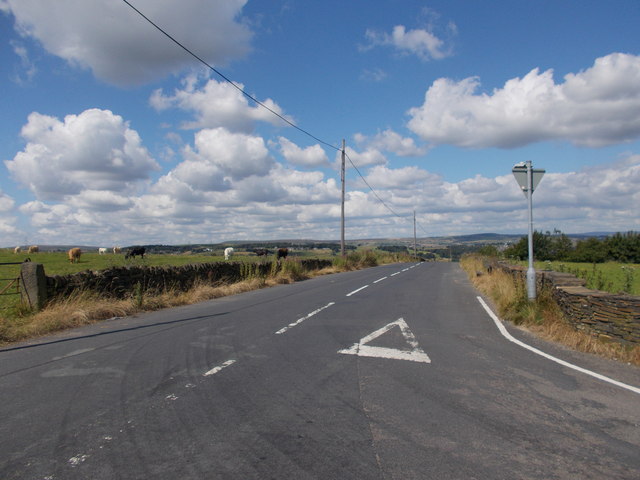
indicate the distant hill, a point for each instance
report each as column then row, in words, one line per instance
column 475, row 239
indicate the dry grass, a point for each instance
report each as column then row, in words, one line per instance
column 542, row 317
column 86, row 308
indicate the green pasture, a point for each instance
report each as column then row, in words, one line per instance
column 613, row 277
column 57, row 263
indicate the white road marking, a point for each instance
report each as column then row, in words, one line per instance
column 74, row 353
column 215, row 370
column 416, row 354
column 356, row 291
column 394, row 274
column 380, row 279
column 405, row 269
column 509, row 337
column 300, row 320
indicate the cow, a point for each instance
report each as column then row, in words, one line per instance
column 34, row 249
column 135, row 251
column 282, row 253
column 74, row 255
column 102, row 251
column 117, row 250
column 262, row 252
column 17, row 250
column 228, row 253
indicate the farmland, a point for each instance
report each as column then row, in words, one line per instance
column 612, row 277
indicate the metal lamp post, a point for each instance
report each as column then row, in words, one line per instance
column 528, row 179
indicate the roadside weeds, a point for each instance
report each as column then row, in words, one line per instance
column 542, row 317
column 85, row 308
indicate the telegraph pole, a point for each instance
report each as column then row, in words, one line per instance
column 415, row 249
column 342, row 204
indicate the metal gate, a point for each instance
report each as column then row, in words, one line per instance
column 8, row 286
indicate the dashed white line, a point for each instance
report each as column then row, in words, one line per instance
column 215, row 370
column 509, row 337
column 394, row 274
column 380, row 279
column 356, row 291
column 300, row 320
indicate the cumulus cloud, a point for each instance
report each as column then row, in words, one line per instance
column 365, row 158
column 420, row 42
column 93, row 151
column 390, row 141
column 217, row 104
column 237, row 155
column 313, row 156
column 122, row 48
column 252, row 207
column 596, row 107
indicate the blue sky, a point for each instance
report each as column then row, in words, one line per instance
column 111, row 134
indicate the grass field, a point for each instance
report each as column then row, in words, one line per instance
column 609, row 277
column 57, row 263
column 17, row 322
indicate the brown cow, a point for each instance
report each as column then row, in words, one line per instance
column 282, row 253
column 74, row 255
column 33, row 249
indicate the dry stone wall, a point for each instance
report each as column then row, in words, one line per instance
column 616, row 317
column 122, row 282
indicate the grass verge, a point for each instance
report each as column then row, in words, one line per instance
column 542, row 317
column 87, row 308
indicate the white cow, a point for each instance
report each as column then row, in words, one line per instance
column 228, row 253
column 17, row 250
column 102, row 251
column 117, row 250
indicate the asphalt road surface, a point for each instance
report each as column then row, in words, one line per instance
column 394, row 372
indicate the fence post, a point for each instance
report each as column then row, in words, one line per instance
column 34, row 284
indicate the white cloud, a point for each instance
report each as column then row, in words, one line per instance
column 390, row 141
column 93, row 151
column 366, row 158
column 593, row 108
column 313, row 156
column 217, row 104
column 28, row 68
column 237, row 155
column 122, row 48
column 420, row 42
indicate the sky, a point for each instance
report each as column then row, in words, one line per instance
column 112, row 134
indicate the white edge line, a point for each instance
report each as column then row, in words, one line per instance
column 300, row 320
column 356, row 291
column 380, row 279
column 215, row 370
column 509, row 337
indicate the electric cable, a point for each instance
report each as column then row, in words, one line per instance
column 258, row 102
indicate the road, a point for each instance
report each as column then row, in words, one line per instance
column 394, row 372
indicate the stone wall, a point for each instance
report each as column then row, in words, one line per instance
column 613, row 316
column 121, row 282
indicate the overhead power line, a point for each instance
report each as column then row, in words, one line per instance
column 261, row 104
column 228, row 80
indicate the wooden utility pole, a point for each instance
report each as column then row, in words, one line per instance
column 342, row 204
column 415, row 249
